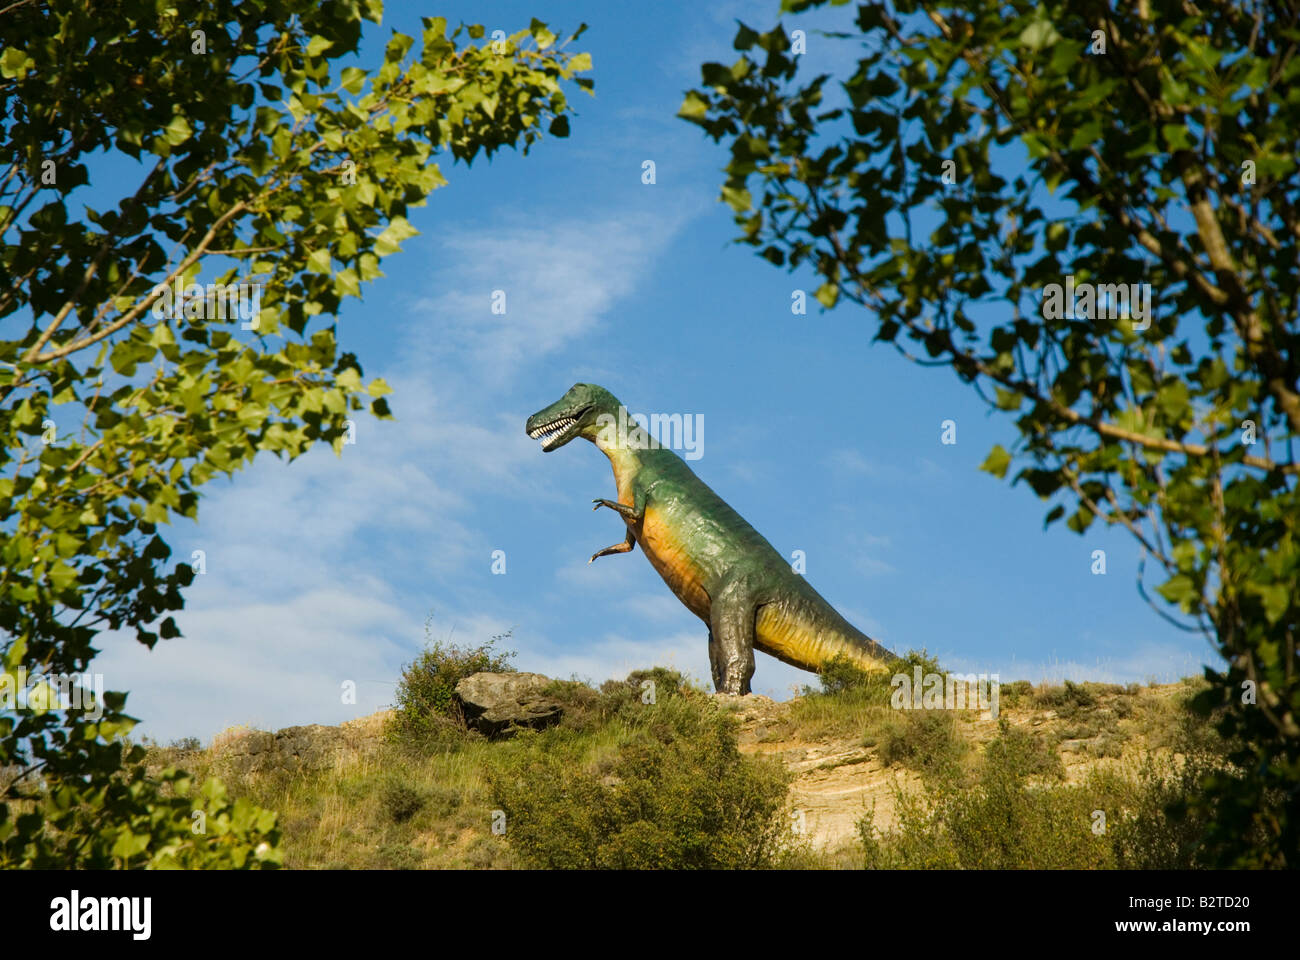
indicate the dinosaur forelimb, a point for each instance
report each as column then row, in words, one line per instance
column 628, row 513
column 624, row 547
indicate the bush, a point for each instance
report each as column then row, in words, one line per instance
column 426, row 706
column 926, row 741
column 119, row 814
column 641, row 688
column 1018, row 815
column 1161, row 831
column 1067, row 699
column 852, row 701
column 841, row 674
column 1013, row 694
column 675, row 794
column 400, row 799
column 586, row 709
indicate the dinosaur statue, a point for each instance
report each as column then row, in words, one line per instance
column 719, row 566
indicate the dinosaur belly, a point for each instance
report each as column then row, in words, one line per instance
column 668, row 555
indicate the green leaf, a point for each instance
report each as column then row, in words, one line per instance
column 1177, row 136
column 318, row 46
column 15, row 63
column 1008, row 399
column 997, row 461
column 740, row 201
column 1275, row 597
column 1080, row 520
column 1179, row 589
column 352, row 79
column 178, row 131
column 693, row 107
column 346, row 283
column 389, row 242
column 541, row 34
column 319, row 261
column 1039, row 34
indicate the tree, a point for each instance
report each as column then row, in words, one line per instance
column 125, row 385
column 998, row 175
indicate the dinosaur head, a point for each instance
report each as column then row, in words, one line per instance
column 573, row 415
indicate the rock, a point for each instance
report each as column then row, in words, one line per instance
column 312, row 747
column 496, row 704
column 293, row 749
column 748, row 707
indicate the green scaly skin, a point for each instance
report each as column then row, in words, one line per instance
column 719, row 566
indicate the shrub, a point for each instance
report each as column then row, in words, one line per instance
column 586, row 709
column 675, row 794
column 1067, row 699
column 1013, row 694
column 926, row 741
column 842, row 674
column 400, row 799
column 852, row 701
column 1018, row 815
column 641, row 688
column 426, row 706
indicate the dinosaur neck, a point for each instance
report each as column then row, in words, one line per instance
column 623, row 457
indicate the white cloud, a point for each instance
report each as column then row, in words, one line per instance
column 266, row 664
column 560, row 281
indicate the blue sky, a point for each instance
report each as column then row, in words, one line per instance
column 325, row 570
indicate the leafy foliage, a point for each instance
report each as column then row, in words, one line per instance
column 677, row 794
column 425, row 699
column 250, row 156
column 1017, row 814
column 840, row 674
column 926, row 741
column 993, row 155
column 132, row 820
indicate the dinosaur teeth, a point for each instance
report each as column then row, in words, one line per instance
column 548, row 432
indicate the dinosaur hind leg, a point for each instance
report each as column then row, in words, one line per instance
column 731, row 639
column 715, row 661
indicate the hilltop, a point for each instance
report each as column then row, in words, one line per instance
column 364, row 795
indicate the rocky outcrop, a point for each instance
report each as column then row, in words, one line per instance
column 498, row 704
column 300, row 749
column 296, row 749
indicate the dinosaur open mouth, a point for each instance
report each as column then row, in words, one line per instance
column 551, row 433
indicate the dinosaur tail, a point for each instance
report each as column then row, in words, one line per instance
column 809, row 634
